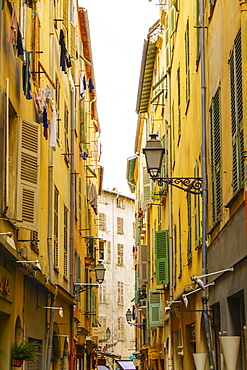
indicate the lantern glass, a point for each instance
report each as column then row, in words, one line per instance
column 100, row 272
column 128, row 316
column 154, row 155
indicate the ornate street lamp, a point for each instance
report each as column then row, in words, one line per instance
column 99, row 275
column 154, row 154
column 129, row 318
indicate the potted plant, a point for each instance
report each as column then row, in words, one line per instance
column 24, row 351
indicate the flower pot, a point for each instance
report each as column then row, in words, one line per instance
column 17, row 362
column 230, row 347
column 200, row 360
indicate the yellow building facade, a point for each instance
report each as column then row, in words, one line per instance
column 192, row 96
column 50, row 180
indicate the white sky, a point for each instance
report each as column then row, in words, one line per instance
column 118, row 30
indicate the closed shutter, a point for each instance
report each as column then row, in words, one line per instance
column 65, row 242
column 143, row 263
column 215, row 128
column 154, row 308
column 56, row 231
column 162, row 262
column 235, row 62
column 197, row 218
column 146, row 186
column 73, row 47
column 189, row 236
column 187, row 62
column 28, row 174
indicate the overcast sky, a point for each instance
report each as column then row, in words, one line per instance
column 118, row 30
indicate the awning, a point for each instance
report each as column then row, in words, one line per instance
column 101, row 367
column 130, row 173
column 146, row 76
column 126, row 364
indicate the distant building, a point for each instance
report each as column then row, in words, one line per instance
column 116, row 240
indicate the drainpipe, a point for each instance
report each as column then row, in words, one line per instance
column 72, row 212
column 243, row 8
column 170, row 362
column 50, row 208
column 204, row 188
column 49, row 246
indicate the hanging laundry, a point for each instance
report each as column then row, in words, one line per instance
column 26, row 76
column 53, row 129
column 45, row 123
column 13, row 27
column 82, row 84
column 63, row 51
column 20, row 47
column 90, row 85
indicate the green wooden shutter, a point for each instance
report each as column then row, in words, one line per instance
column 215, row 128
column 180, row 243
column 143, row 263
column 174, row 254
column 154, row 308
column 162, row 262
column 235, row 62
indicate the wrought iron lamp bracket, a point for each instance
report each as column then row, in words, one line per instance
column 192, row 185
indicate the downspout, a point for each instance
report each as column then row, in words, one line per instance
column 243, row 7
column 50, row 208
column 204, row 189
column 170, row 362
column 72, row 212
column 49, row 246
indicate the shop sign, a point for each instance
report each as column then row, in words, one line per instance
column 98, row 331
column 6, row 284
column 153, row 354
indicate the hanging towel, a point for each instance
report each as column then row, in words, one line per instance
column 26, row 77
column 90, row 85
column 13, row 27
column 53, row 132
column 45, row 123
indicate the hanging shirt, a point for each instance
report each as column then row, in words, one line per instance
column 13, row 27
column 90, row 85
column 53, row 129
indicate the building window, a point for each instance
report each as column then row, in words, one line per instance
column 56, row 213
column 187, row 63
column 102, row 221
column 102, row 293
column 215, row 136
column 65, row 243
column 120, row 225
column 236, row 89
column 120, row 249
column 108, row 251
column 101, row 250
column 57, row 99
column 120, row 293
column 120, row 203
column 34, row 241
column 120, row 324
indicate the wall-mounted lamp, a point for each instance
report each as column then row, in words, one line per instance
column 25, row 261
column 107, row 334
column 60, row 309
column 99, row 275
column 169, row 305
column 184, row 296
column 197, row 279
column 154, row 153
column 7, row 233
column 129, row 318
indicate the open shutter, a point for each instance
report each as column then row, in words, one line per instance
column 155, row 313
column 197, row 219
column 143, row 263
column 28, row 174
column 162, row 262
